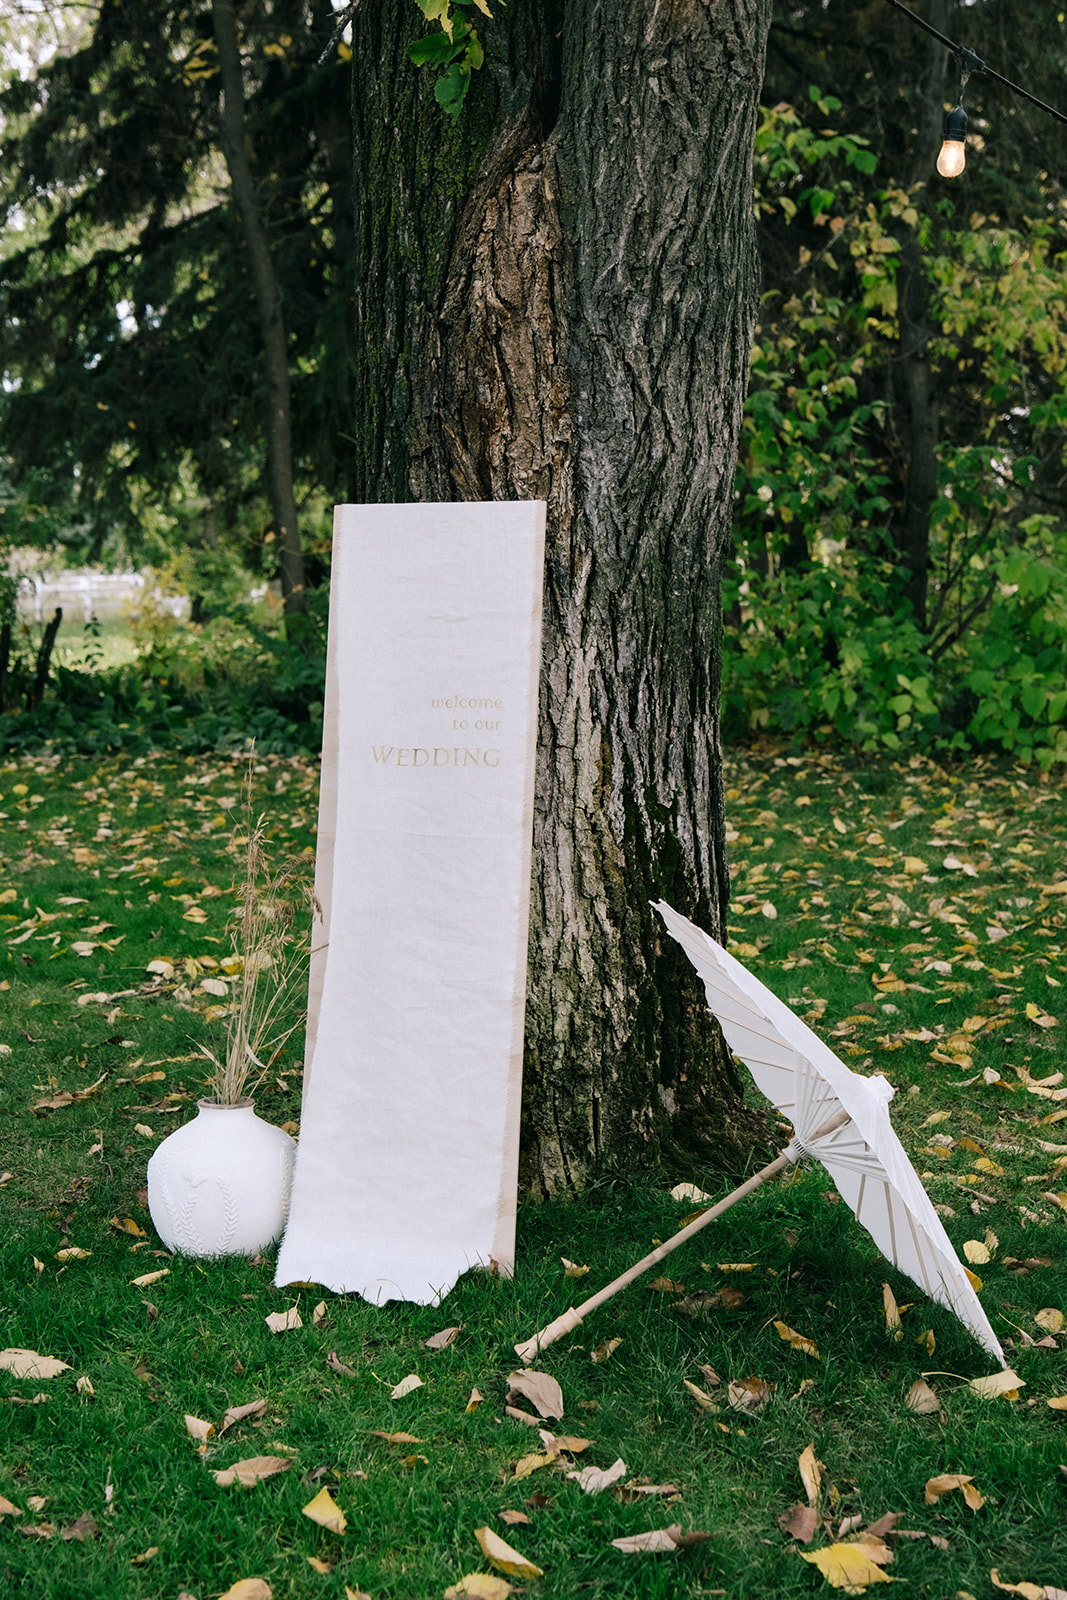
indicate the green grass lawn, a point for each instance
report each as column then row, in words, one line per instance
column 915, row 918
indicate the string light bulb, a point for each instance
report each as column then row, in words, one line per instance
column 953, row 156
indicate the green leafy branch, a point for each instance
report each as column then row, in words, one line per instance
column 456, row 49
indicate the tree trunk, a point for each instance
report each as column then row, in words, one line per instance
column 914, row 379
column 556, row 301
column 232, row 137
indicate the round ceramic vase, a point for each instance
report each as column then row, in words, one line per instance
column 219, row 1185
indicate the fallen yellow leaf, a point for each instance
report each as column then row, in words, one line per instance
column 846, row 1566
column 527, row 1464
column 892, row 1314
column 945, row 1482
column 976, row 1252
column 319, row 1566
column 810, row 1473
column 1050, row 1319
column 479, row 1586
column 149, row 1277
column 501, row 1554
column 797, row 1340
column 1028, row 1591
column 1058, row 1402
column 73, row 1253
column 571, row 1269
column 1006, row 1383
column 127, row 1225
column 326, row 1512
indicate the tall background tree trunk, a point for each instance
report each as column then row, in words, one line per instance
column 556, row 301
column 232, row 137
column 915, row 383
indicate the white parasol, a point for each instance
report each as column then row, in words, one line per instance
column 807, row 1082
column 838, row 1118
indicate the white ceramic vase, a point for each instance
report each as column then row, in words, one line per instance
column 219, row 1185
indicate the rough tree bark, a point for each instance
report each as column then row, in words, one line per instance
column 232, row 137
column 556, row 301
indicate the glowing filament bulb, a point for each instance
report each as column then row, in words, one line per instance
column 953, row 157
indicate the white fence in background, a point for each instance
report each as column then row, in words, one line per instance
column 90, row 594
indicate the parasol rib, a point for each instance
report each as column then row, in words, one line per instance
column 575, row 1317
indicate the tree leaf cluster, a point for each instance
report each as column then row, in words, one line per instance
column 130, row 343
column 901, row 562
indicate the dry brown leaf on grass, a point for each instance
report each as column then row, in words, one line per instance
column 655, row 1539
column 406, row 1386
column 689, row 1191
column 800, row 1522
column 335, row 1364
column 554, row 1443
column 542, row 1391
column 797, row 1340
column 529, row 1464
column 921, row 1399
column 149, row 1277
column 318, row 1565
column 326, row 1512
column 479, row 1586
column 501, row 1554
column 86, row 1527
column 198, row 1429
column 30, row 1364
column 1028, row 1591
column 811, row 1473
column 394, row 1438
column 1051, row 1319
column 517, row 1415
column 1006, row 1383
column 703, row 1399
column 945, row 1482
column 7, row 1509
column 356, row 1594
column 749, row 1394
column 248, row 1589
column 442, row 1340
column 254, row 1408
column 604, row 1350
column 473, row 1403
column 250, row 1471
column 594, row 1480
column 571, row 1269
column 513, row 1518
column 284, row 1321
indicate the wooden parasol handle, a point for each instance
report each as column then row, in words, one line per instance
column 574, row 1318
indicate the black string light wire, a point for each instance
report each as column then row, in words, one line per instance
column 950, row 162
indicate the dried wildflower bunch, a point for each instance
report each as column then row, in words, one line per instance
column 271, row 938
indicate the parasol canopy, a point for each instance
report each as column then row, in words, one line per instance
column 808, row 1083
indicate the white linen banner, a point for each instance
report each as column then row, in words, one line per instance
column 406, row 1168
